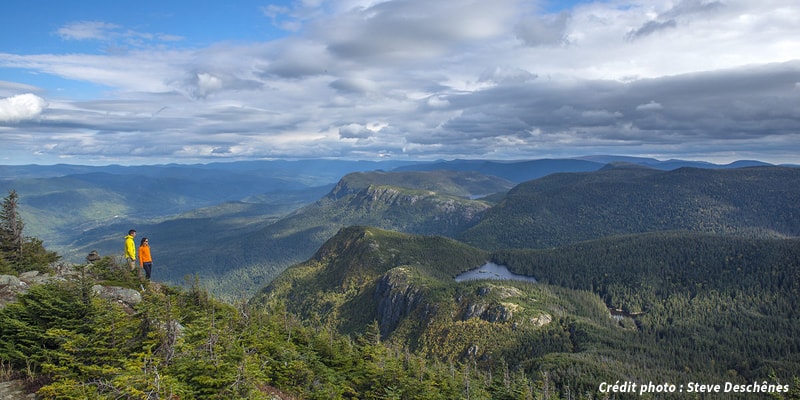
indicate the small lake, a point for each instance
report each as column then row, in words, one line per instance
column 491, row 270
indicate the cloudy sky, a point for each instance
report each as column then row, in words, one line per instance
column 152, row 81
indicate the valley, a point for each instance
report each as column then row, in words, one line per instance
column 596, row 272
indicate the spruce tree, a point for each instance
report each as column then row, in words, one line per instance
column 11, row 238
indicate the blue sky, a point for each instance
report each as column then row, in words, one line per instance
column 145, row 82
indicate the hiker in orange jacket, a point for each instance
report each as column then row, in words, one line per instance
column 145, row 260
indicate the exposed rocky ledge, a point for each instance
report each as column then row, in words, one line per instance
column 13, row 286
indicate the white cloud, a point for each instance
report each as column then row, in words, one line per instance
column 354, row 85
column 113, row 34
column 87, row 30
column 207, row 84
column 354, row 131
column 545, row 30
column 651, row 106
column 445, row 78
column 21, row 107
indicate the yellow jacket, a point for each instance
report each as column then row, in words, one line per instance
column 130, row 248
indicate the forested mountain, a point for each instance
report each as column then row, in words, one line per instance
column 643, row 275
column 240, row 222
column 515, row 171
column 525, row 170
column 395, row 201
column 695, row 307
column 60, row 201
column 565, row 208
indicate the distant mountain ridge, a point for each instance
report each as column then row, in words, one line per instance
column 231, row 221
column 358, row 199
column 566, row 208
column 61, row 201
column 525, row 170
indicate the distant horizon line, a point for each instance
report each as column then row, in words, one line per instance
column 599, row 158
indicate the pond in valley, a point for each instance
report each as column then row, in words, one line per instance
column 491, row 270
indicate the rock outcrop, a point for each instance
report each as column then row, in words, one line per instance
column 13, row 286
column 397, row 298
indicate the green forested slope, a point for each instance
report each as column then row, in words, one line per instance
column 566, row 208
column 337, row 284
column 63, row 342
column 696, row 307
column 376, row 313
column 710, row 305
column 236, row 263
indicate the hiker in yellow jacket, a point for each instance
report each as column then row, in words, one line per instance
column 130, row 249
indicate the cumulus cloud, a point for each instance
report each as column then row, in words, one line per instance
column 354, row 85
column 445, row 78
column 412, row 29
column 354, row 131
column 207, row 84
column 504, row 75
column 545, row 30
column 21, row 107
column 651, row 106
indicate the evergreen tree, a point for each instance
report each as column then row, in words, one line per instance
column 17, row 252
column 11, row 238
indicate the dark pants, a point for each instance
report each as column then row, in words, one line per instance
column 148, row 267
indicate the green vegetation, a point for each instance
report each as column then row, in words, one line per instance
column 643, row 275
column 561, row 209
column 451, row 183
column 69, row 344
column 697, row 307
column 19, row 253
column 245, row 262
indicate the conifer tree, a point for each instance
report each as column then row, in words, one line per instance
column 19, row 253
column 11, row 238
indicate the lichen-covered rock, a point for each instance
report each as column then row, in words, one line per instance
column 127, row 296
column 542, row 320
column 7, row 281
column 10, row 288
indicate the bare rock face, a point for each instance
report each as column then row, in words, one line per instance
column 496, row 312
column 397, row 297
column 491, row 311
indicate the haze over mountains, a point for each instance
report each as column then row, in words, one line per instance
column 240, row 224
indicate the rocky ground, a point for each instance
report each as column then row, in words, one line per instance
column 12, row 286
column 14, row 390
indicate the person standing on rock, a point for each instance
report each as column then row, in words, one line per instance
column 145, row 260
column 130, row 249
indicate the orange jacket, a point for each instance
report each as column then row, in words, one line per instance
column 144, row 254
